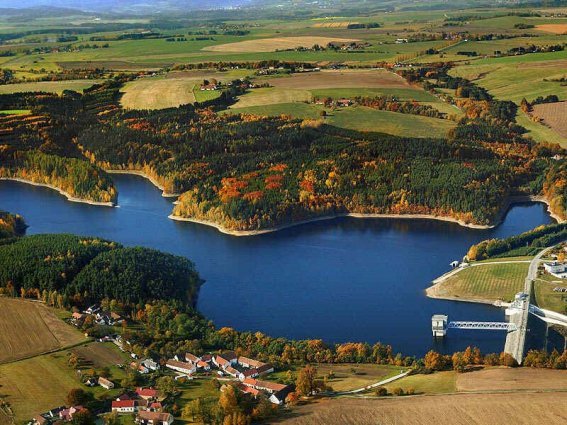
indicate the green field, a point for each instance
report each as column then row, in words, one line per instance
column 348, row 377
column 539, row 132
column 48, row 86
column 15, row 112
column 514, row 81
column 545, row 297
column 38, row 384
column 359, row 118
column 435, row 383
column 486, row 281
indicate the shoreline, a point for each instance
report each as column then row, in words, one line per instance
column 511, row 201
column 226, row 231
column 147, row 177
column 60, row 191
column 430, row 292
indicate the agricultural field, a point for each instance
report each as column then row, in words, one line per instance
column 436, row 383
column 553, row 28
column 538, row 131
column 40, row 383
column 484, row 281
column 275, row 43
column 514, row 81
column 508, row 379
column 173, row 89
column 15, row 112
column 48, row 86
column 357, row 118
column 348, row 377
column 545, row 297
column 553, row 115
column 340, row 79
column 30, row 328
column 457, row 409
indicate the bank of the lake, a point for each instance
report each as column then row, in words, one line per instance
column 67, row 195
column 339, row 280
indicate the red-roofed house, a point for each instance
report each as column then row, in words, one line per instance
column 124, row 406
column 225, row 359
column 191, row 358
column 203, row 365
column 67, row 414
column 146, row 393
column 250, row 373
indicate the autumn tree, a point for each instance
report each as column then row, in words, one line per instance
column 77, row 396
column 305, row 384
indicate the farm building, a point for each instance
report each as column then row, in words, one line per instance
column 183, row 367
column 105, row 383
column 154, row 418
column 146, row 393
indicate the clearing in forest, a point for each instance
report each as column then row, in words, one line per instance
column 30, row 328
column 277, row 43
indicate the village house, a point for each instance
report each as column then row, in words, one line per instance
column 249, row 363
column 250, row 373
column 105, row 383
column 47, row 417
column 67, row 414
column 231, row 371
column 183, row 367
column 265, row 368
column 124, row 406
column 191, row 358
column 344, row 102
column 146, row 393
column 203, row 365
column 150, row 364
column 207, row 358
column 280, row 396
column 154, row 418
column 225, row 359
column 248, row 390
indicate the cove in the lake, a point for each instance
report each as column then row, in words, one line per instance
column 341, row 280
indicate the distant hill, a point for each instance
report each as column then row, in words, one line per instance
column 127, row 6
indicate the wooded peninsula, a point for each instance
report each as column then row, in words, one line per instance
column 249, row 173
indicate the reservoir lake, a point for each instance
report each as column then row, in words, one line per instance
column 338, row 280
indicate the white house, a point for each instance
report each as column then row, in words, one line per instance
column 557, row 269
column 225, row 359
column 150, row 364
column 124, row 406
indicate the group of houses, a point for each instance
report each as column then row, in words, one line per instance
column 329, row 103
column 99, row 317
column 146, row 404
column 239, row 368
column 58, row 414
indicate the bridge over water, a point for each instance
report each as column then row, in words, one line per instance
column 518, row 312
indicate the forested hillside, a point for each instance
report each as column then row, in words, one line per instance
column 11, row 225
column 247, row 172
column 86, row 269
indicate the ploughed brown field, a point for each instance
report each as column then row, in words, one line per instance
column 29, row 328
column 276, row 43
column 340, row 79
column 504, row 379
column 554, row 115
column 553, row 28
column 457, row 409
